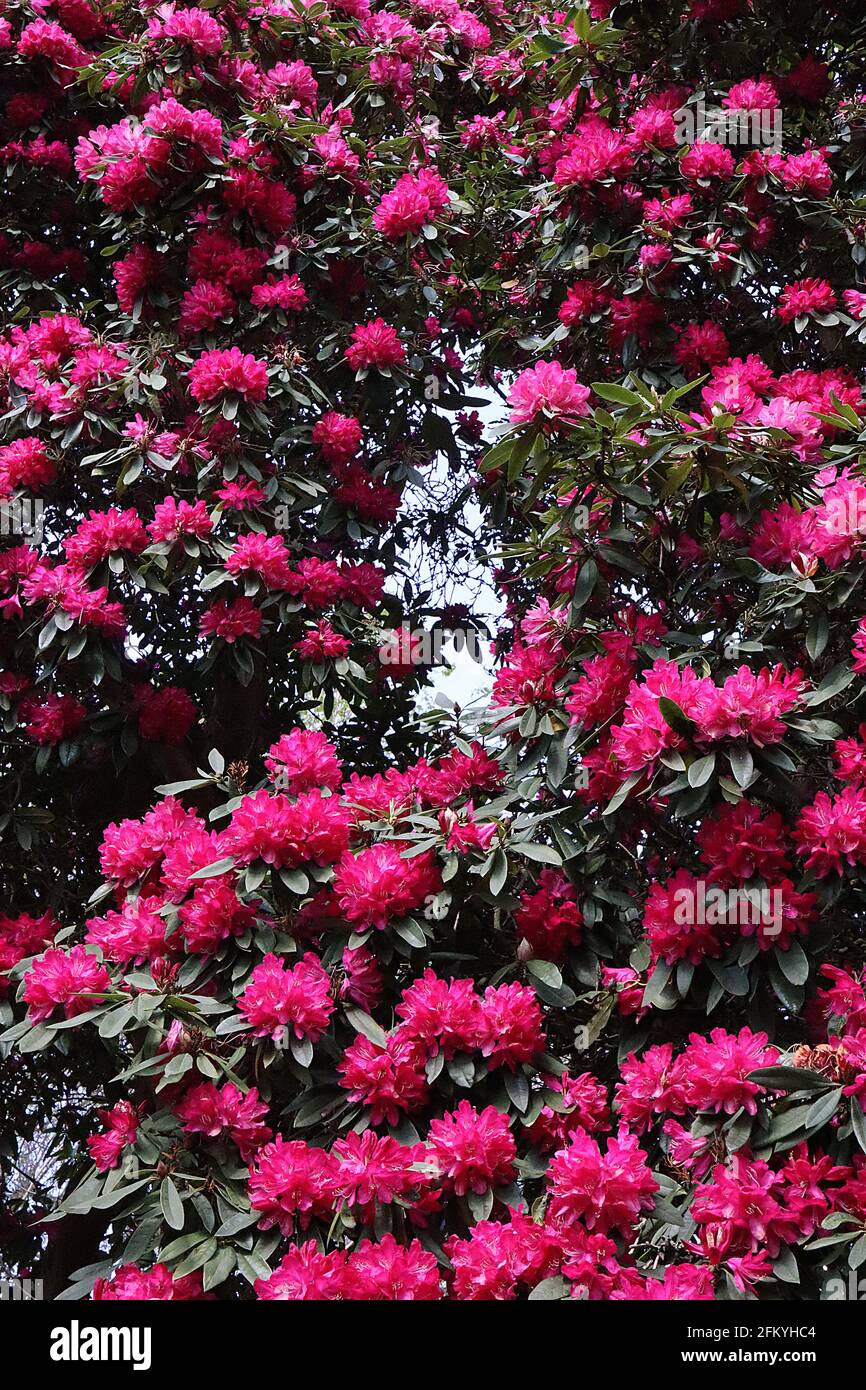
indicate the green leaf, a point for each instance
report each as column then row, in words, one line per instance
column 742, row 765
column 545, row 971
column 363, row 1023
column 620, row 395
column 701, row 770
column 411, row 933
column 792, row 996
column 543, row 854
column 858, row 1123
column 498, row 873
column 218, row 1269
column 785, row 1266
column 517, row 1087
column 823, row 1109
column 674, row 717
column 794, row 963
column 221, row 866
column 789, row 1079
column 172, row 1206
column 549, row 1290
column 586, row 582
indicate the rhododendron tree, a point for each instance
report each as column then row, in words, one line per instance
column 317, row 317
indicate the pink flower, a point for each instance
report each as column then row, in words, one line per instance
column 303, row 759
column 645, row 733
column 550, row 391
column 285, row 834
column 741, row 1202
column 73, row 978
column 375, row 344
column 607, row 1192
column 805, row 297
column 291, row 1181
column 499, row 1257
column 49, row 719
column 706, row 160
column 387, row 1079
column 700, row 345
column 386, row 1271
column 192, row 28
column 231, row 621
column 224, row 371
column 212, row 915
column 444, row 1015
column 136, row 933
column 511, row 1031
column 749, row 706
column 739, row 843
column 154, row 1285
column 286, row 293
column 104, row 533
column 585, row 297
column 265, row 556
column 473, row 1150
column 413, row 202
column 808, row 172
column 362, row 981
column 305, row 1273
column 338, row 436
column 651, row 1085
column 379, row 884
column 676, row 930
column 550, row 919
column 293, row 82
column 832, row 831
column 754, row 94
column 25, row 464
column 172, row 520
column 106, row 1149
column 279, row 997
column 322, row 643
column 715, row 1070
column 855, row 303
column 583, row 1106
column 165, row 716
column 681, row 1283
column 370, row 1169
column 214, row 1111
column 597, row 154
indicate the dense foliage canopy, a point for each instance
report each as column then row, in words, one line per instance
column 314, row 315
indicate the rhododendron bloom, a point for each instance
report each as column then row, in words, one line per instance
column 607, row 1191
column 153, row 1285
column 221, row 372
column 415, row 200
column 548, row 391
column 375, row 344
column 278, row 997
column 122, row 1128
column 473, row 1150
column 380, row 884
column 74, row 978
column 291, row 1183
